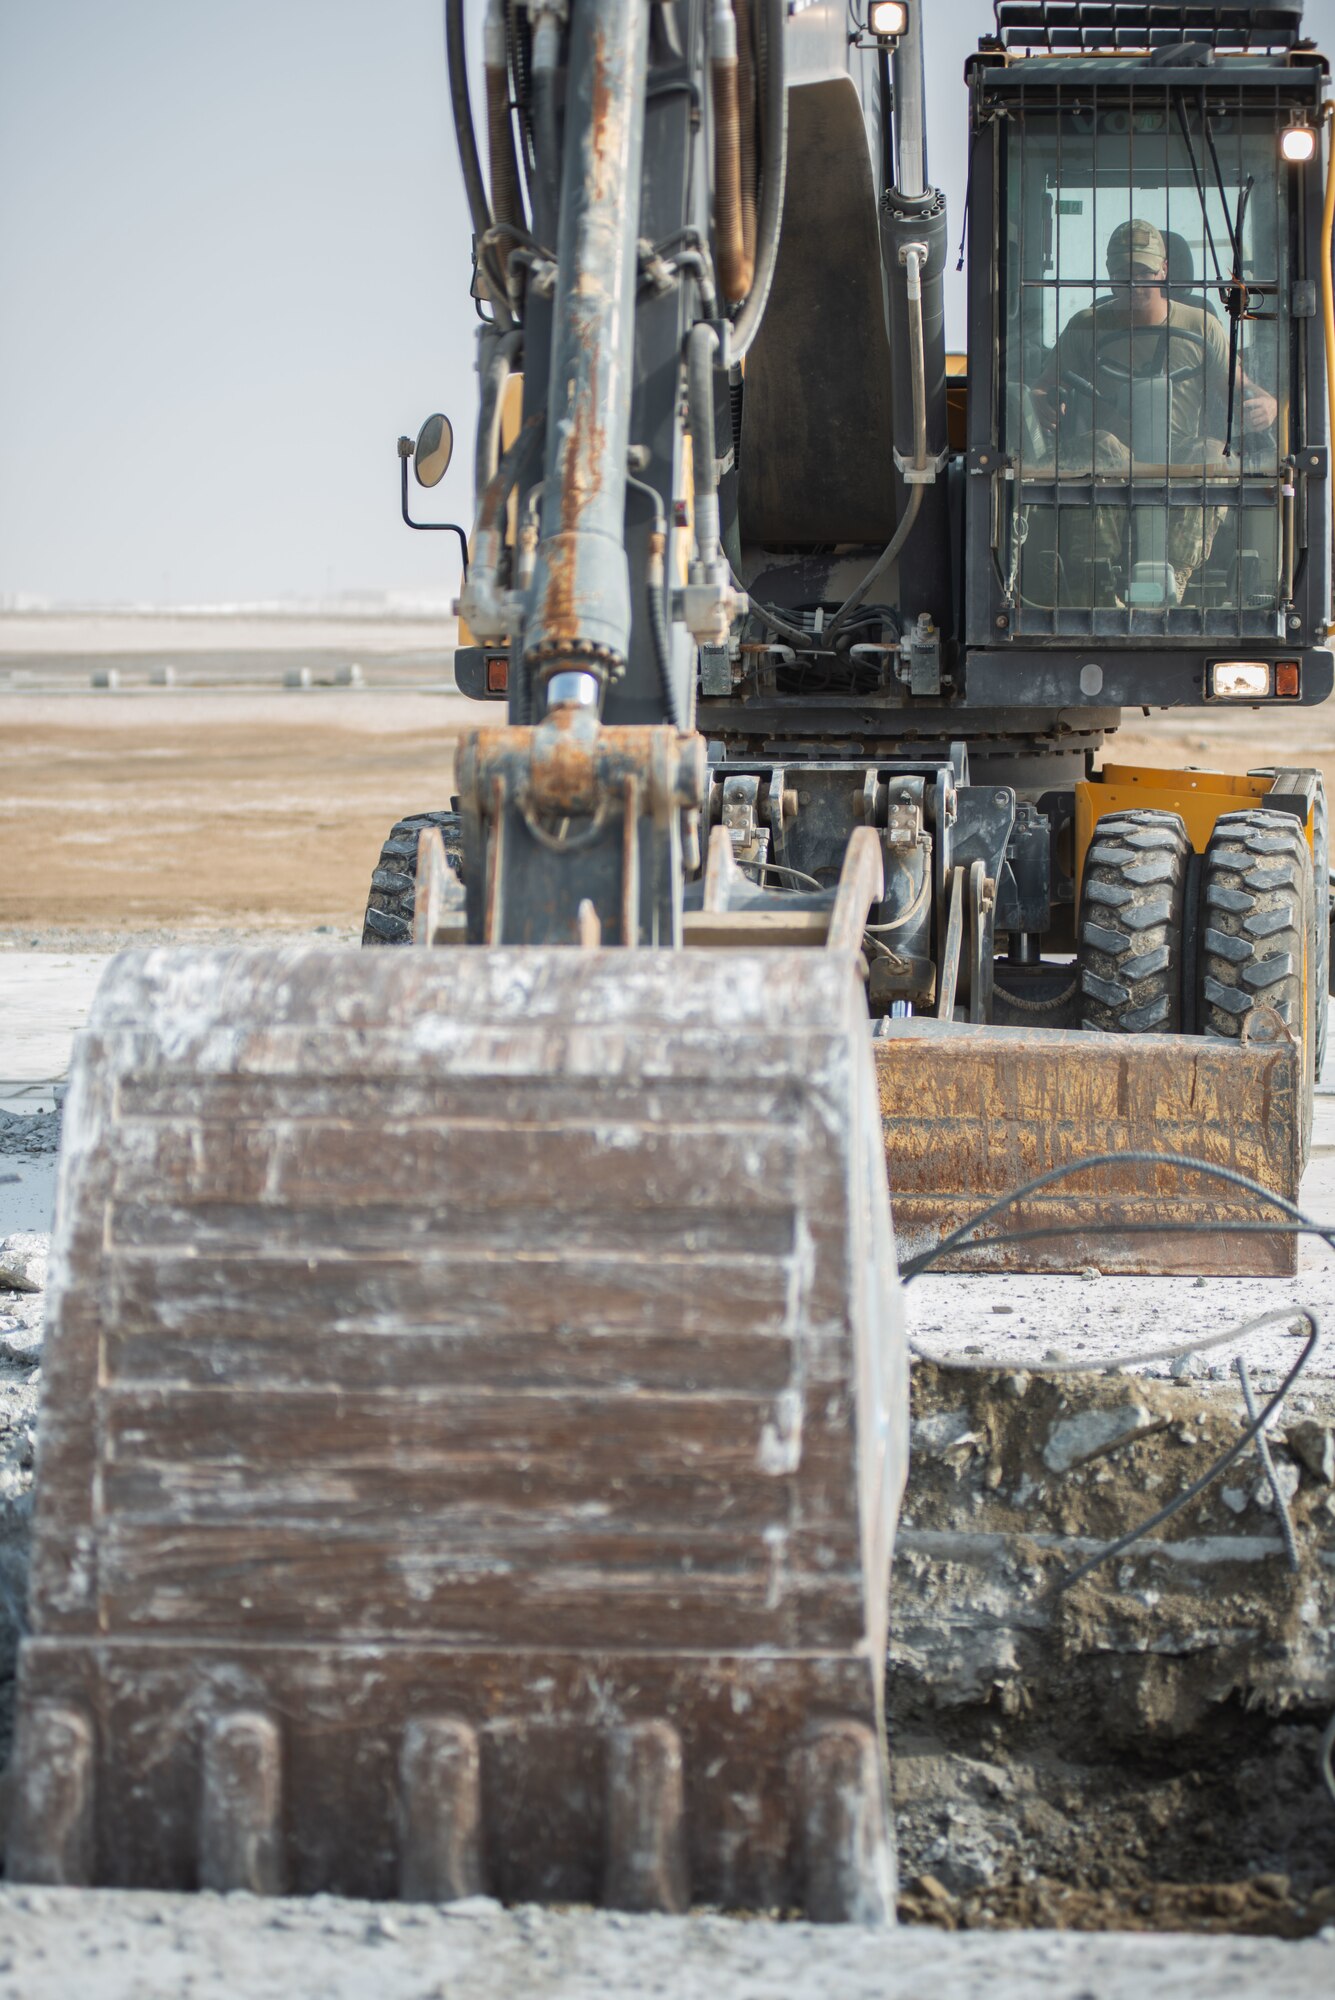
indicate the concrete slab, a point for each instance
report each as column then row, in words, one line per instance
column 44, row 1000
column 27, row 1194
column 109, row 1945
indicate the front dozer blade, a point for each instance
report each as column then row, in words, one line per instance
column 474, row 1419
column 970, row 1113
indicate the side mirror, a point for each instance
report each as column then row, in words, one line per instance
column 430, row 456
column 434, row 450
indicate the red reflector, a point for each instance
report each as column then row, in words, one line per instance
column 498, row 673
column 1286, row 678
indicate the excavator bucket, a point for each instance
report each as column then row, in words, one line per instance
column 474, row 1422
column 970, row 1113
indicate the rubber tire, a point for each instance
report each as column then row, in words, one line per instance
column 389, row 907
column 1321, row 930
column 1258, row 929
column 1129, row 936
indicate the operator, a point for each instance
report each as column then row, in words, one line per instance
column 1144, row 333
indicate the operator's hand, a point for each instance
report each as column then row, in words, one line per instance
column 1047, row 408
column 1259, row 408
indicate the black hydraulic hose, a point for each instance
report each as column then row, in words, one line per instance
column 890, row 554
column 507, row 200
column 475, row 186
column 543, row 68
column 658, row 626
column 774, row 104
column 512, row 468
column 701, row 354
column 655, row 584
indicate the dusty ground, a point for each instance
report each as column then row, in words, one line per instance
column 197, row 814
column 231, row 806
column 107, row 1946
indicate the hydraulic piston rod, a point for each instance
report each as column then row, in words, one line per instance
column 579, row 613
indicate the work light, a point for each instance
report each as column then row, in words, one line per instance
column 1297, row 142
column 888, row 19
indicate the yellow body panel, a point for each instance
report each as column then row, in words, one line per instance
column 1199, row 797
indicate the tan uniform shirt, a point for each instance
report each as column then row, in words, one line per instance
column 1102, row 333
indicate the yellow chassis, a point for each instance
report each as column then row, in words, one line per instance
column 1200, row 797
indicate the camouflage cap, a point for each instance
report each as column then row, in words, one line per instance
column 1137, row 242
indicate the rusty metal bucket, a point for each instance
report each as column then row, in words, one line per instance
column 969, row 1113
column 474, row 1421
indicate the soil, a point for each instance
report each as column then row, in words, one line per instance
column 1140, row 1750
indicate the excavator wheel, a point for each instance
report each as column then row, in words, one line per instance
column 389, row 906
column 1258, row 932
column 1130, row 931
column 1321, row 926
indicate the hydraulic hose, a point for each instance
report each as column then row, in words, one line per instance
column 495, row 370
column 774, row 136
column 656, row 590
column 1327, row 279
column 546, row 125
column 474, row 185
column 496, row 493
column 655, row 584
column 746, row 127
column 483, row 602
column 701, row 353
column 507, row 199
column 735, row 272
column 914, row 257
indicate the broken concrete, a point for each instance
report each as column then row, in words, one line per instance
column 23, row 1261
column 1147, row 1736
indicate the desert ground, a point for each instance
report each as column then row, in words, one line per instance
column 229, row 804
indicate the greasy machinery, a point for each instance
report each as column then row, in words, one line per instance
column 475, row 1403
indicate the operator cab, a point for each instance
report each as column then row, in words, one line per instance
column 1150, row 438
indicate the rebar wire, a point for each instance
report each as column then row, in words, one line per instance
column 955, row 1239
column 1263, row 1453
column 1198, row 1486
column 1326, row 1756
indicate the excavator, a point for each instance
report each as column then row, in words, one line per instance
column 475, row 1403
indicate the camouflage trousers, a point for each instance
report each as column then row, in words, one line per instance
column 1081, row 556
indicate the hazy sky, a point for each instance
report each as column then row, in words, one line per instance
column 233, row 267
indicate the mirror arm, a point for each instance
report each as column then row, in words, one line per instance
column 426, row 527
